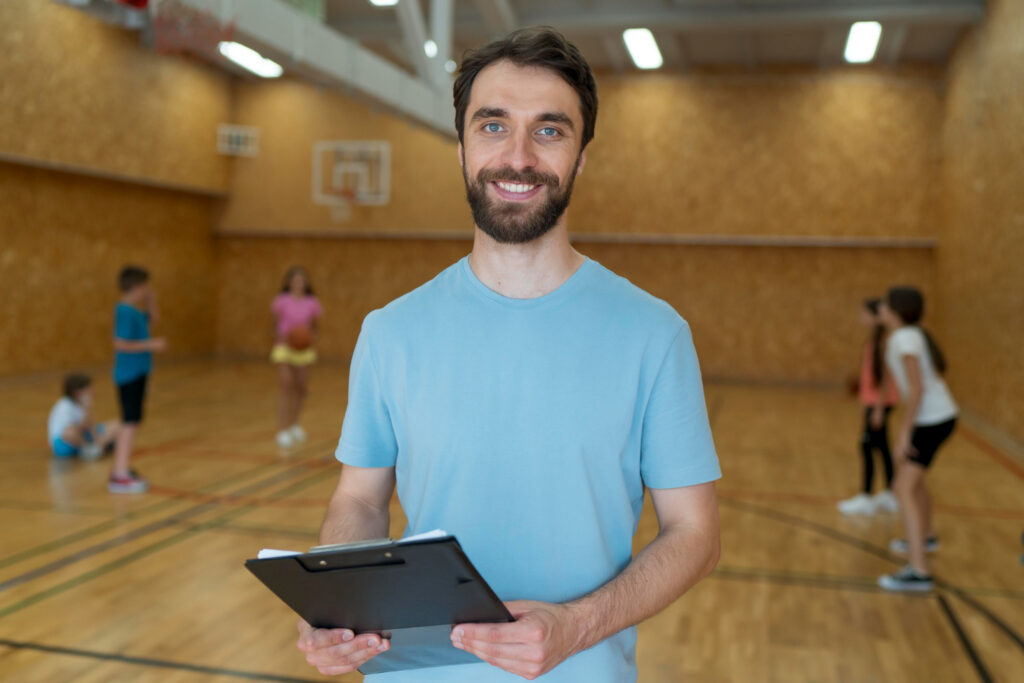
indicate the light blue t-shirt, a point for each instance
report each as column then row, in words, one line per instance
column 133, row 325
column 528, row 429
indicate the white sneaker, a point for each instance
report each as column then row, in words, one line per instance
column 91, row 451
column 285, row 439
column 861, row 504
column 298, row 433
column 884, row 500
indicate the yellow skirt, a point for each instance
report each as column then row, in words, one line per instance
column 282, row 353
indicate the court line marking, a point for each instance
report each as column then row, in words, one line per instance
column 992, row 451
column 874, row 550
column 150, row 662
column 139, row 532
column 965, row 641
column 820, row 499
column 122, row 562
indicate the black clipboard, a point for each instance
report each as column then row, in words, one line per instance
column 412, row 593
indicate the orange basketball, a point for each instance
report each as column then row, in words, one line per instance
column 300, row 337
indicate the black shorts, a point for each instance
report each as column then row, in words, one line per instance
column 927, row 439
column 132, row 396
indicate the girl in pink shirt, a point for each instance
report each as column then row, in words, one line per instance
column 875, row 433
column 294, row 308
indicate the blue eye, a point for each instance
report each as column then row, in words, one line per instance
column 548, row 131
column 492, row 127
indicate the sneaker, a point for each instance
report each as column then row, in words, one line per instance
column 861, row 504
column 900, row 545
column 884, row 500
column 91, row 451
column 285, row 439
column 906, row 579
column 298, row 433
column 130, row 483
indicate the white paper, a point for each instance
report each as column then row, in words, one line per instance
column 426, row 536
column 268, row 553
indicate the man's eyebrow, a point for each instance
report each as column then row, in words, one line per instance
column 489, row 113
column 556, row 117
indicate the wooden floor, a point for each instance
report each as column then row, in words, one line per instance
column 95, row 587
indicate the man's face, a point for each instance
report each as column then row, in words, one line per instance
column 520, row 151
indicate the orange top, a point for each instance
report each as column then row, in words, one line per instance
column 868, row 390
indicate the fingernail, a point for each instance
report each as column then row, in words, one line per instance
column 457, row 643
column 373, row 642
column 347, row 635
column 459, row 632
column 383, row 646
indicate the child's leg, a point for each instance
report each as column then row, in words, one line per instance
column 107, row 433
column 301, row 383
column 924, row 504
column 73, row 435
column 909, row 479
column 881, row 441
column 123, row 449
column 285, row 405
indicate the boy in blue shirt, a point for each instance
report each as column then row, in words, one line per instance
column 133, row 348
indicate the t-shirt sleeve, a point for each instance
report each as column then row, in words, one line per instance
column 906, row 343
column 367, row 434
column 676, row 445
column 124, row 325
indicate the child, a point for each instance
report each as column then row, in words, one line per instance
column 872, row 372
column 294, row 307
column 916, row 363
column 70, row 427
column 133, row 349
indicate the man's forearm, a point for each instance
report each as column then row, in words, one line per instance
column 349, row 519
column 676, row 560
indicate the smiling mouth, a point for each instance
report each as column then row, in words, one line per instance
column 516, row 191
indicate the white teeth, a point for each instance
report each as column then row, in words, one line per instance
column 518, row 188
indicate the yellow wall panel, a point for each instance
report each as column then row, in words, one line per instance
column 63, row 239
column 981, row 252
column 76, row 91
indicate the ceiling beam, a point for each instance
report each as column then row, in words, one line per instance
column 499, row 16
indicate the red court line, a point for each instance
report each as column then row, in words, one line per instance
column 251, row 501
column 830, row 501
column 993, row 452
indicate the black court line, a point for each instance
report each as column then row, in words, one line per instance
column 965, row 641
column 144, row 530
column 795, row 579
column 880, row 552
column 150, row 662
column 121, row 562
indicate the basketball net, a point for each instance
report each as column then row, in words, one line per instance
column 341, row 208
column 178, row 28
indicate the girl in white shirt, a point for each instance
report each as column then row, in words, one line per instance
column 916, row 363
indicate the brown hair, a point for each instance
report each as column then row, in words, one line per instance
column 286, row 284
column 540, row 46
column 131, row 277
column 908, row 304
column 75, row 382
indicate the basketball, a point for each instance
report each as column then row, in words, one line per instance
column 300, row 337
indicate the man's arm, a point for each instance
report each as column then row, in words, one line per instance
column 358, row 511
column 545, row 634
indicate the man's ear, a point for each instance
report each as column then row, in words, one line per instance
column 462, row 155
column 581, row 162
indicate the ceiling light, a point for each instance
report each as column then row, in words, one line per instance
column 450, row 66
column 383, row 3
column 642, row 48
column 247, row 58
column 862, row 43
column 430, row 47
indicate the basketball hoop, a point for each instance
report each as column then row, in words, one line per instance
column 341, row 206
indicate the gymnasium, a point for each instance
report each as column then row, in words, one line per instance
column 763, row 166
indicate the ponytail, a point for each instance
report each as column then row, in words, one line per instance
column 877, row 371
column 938, row 358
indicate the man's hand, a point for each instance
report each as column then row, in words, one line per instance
column 543, row 635
column 338, row 651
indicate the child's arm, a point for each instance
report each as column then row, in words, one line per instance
column 140, row 345
column 904, row 447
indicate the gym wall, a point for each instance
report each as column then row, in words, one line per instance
column 106, row 157
column 980, row 264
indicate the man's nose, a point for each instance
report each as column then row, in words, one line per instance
column 519, row 152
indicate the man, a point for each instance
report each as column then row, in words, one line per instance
column 523, row 399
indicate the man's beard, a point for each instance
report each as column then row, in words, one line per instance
column 510, row 222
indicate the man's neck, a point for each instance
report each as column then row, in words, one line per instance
column 525, row 271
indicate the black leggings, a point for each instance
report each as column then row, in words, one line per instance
column 873, row 439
